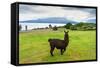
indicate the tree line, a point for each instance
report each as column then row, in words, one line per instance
column 77, row 26
column 81, row 26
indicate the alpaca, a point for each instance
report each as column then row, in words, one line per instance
column 59, row 44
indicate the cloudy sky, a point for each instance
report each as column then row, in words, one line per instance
column 33, row 12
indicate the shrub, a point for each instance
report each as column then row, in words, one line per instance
column 55, row 28
column 68, row 25
column 73, row 27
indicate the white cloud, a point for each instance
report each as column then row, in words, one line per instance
column 34, row 12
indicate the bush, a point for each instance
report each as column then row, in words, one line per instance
column 55, row 28
column 73, row 27
column 68, row 25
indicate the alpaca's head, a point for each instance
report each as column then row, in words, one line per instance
column 66, row 35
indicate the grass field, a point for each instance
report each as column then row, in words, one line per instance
column 34, row 46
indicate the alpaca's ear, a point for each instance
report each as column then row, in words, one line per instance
column 67, row 31
column 64, row 31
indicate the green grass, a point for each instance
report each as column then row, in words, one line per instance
column 34, row 46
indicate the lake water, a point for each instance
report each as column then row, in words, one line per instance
column 31, row 26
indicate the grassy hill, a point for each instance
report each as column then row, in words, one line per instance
column 34, row 46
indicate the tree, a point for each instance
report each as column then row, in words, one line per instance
column 50, row 26
column 79, row 24
column 73, row 27
column 55, row 28
column 26, row 27
column 68, row 25
column 20, row 27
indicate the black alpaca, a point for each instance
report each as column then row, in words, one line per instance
column 59, row 44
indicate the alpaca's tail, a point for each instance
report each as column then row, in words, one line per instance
column 49, row 40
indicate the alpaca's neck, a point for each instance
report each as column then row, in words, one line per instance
column 66, row 38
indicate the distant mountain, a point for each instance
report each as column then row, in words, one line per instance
column 58, row 20
column 91, row 20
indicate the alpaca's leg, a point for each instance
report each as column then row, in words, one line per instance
column 64, row 49
column 61, row 51
column 51, row 51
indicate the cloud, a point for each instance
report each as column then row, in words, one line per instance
column 91, row 11
column 29, row 12
column 28, row 8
